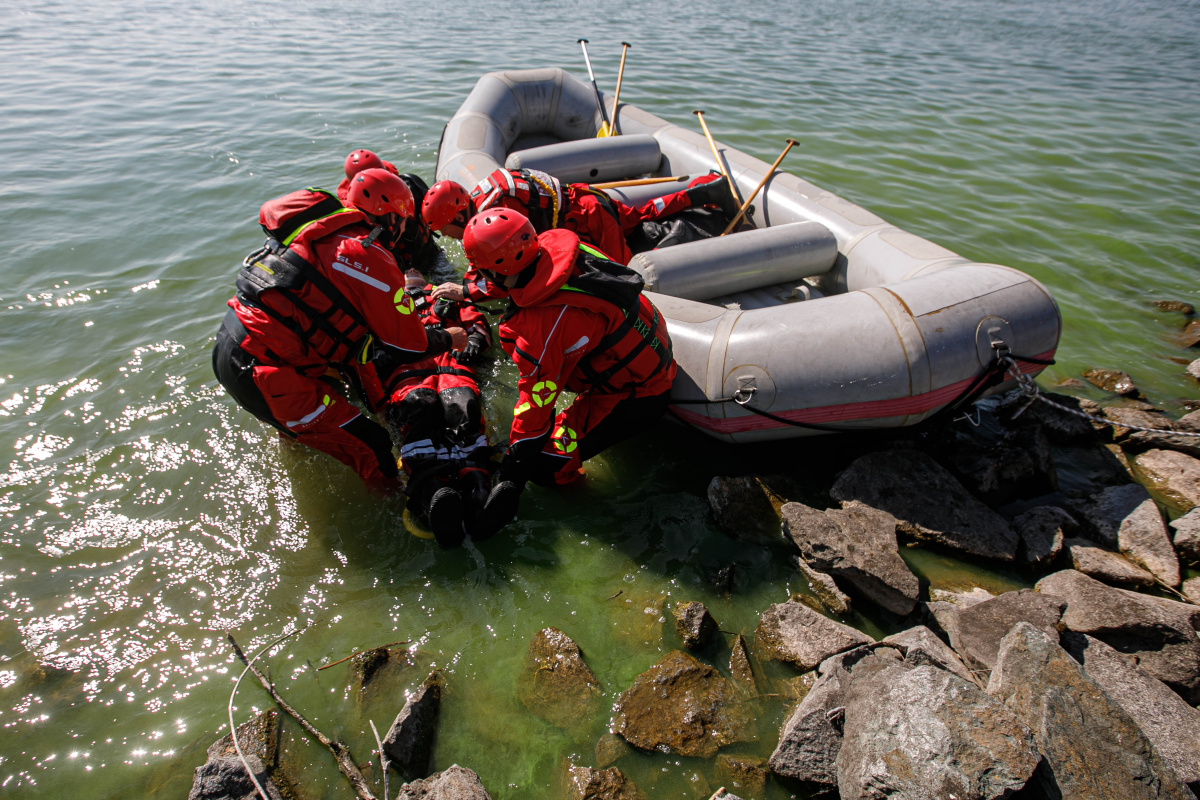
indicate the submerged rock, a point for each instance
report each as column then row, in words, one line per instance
column 1161, row 637
column 743, row 507
column 982, row 626
column 367, row 664
column 921, row 647
column 556, row 683
column 1175, row 475
column 1190, row 337
column 409, row 742
column 747, row 775
column 1112, row 380
column 1170, row 724
column 1176, row 306
column 695, row 626
column 1105, row 565
column 927, row 502
column 856, row 544
column 1125, row 517
column 922, row 732
column 224, row 777
column 824, row 588
column 1090, row 745
column 794, row 633
column 455, row 783
column 585, row 783
column 1041, row 531
column 609, row 749
column 681, row 706
column 739, row 664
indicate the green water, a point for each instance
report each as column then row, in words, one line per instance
column 144, row 515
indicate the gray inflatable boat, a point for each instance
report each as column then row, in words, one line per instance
column 823, row 318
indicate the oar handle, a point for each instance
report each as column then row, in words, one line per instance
column 638, row 182
column 592, row 76
column 761, row 184
column 717, row 157
column 617, row 95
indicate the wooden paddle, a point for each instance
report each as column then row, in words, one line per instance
column 717, row 156
column 737, row 217
column 617, row 97
column 638, row 182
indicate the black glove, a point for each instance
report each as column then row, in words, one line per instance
column 476, row 344
column 714, row 193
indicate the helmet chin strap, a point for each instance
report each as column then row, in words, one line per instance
column 372, row 236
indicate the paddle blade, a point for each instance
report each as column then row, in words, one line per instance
column 604, row 131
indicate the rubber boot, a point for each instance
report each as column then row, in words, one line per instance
column 446, row 517
column 714, row 193
column 499, row 510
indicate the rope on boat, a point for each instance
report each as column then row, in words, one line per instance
column 1030, row 390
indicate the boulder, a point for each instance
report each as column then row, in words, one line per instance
column 1173, row 475
column 811, row 739
column 680, row 706
column 744, row 509
column 1112, row 380
column 223, row 776
column 857, row 545
column 982, row 626
column 695, row 626
column 794, row 633
column 928, row 503
column 585, row 783
column 1175, row 305
column 409, row 742
column 556, row 683
column 1137, row 441
column 1123, row 419
column 1187, row 535
column 1183, row 611
column 1126, row 518
column 1161, row 637
column 1190, row 337
column 747, row 775
column 1041, row 531
column 921, row 732
column 610, row 748
column 1171, row 725
column 961, row 599
column 995, row 463
column 824, row 588
column 1060, row 428
column 921, row 647
column 1191, row 590
column 1105, row 565
column 739, row 665
column 455, row 783
column 367, row 664
column 1193, row 369
column 1090, row 745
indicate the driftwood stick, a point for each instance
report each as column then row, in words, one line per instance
column 340, row 752
column 352, row 655
column 383, row 760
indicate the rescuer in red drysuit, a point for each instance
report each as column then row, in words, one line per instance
column 415, row 247
column 435, row 412
column 577, row 322
column 322, row 306
column 595, row 217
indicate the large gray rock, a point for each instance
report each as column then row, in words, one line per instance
column 1187, row 535
column 794, row 633
column 739, row 665
column 824, row 588
column 928, row 503
column 1193, row 369
column 223, row 776
column 1159, row 636
column 855, row 544
column 921, row 647
column 556, row 684
column 585, row 783
column 1171, row 725
column 744, row 508
column 1126, row 518
column 1059, row 428
column 409, row 742
column 455, row 783
column 1191, row 590
column 982, row 626
column 811, row 738
column 994, row 463
column 1174, row 475
column 681, row 706
column 1105, row 565
column 1159, row 437
column 1041, row 531
column 921, row 732
column 1091, row 746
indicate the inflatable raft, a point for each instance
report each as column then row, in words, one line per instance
column 823, row 318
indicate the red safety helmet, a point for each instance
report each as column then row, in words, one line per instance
column 378, row 192
column 501, row 241
column 359, row 160
column 444, row 201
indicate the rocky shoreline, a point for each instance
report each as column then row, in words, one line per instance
column 1084, row 686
